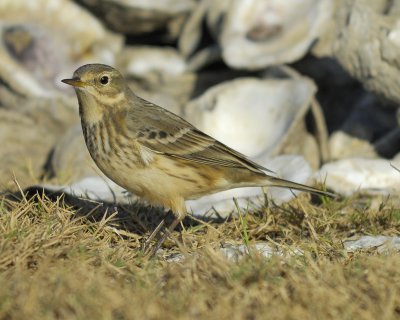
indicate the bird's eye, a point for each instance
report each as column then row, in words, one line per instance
column 104, row 80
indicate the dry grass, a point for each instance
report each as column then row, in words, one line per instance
column 56, row 262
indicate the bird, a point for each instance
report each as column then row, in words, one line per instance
column 154, row 153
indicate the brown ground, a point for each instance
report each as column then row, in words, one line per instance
column 56, row 264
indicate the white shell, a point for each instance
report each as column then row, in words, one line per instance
column 251, row 115
column 61, row 36
column 157, row 74
column 168, row 6
column 78, row 28
column 96, row 188
column 258, row 33
column 383, row 244
column 139, row 61
column 343, row 145
column 362, row 175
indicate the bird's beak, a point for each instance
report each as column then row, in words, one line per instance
column 75, row 82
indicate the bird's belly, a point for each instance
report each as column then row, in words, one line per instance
column 163, row 179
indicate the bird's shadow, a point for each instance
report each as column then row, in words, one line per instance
column 136, row 217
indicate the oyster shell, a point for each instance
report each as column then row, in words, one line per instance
column 343, row 145
column 258, row 117
column 259, row 33
column 39, row 44
column 140, row 61
column 157, row 74
column 383, row 244
column 56, row 16
column 364, row 36
column 141, row 16
column 162, row 75
column 27, row 135
column 214, row 13
column 371, row 176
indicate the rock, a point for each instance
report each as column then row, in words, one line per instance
column 371, row 176
column 364, row 36
column 27, row 137
column 381, row 243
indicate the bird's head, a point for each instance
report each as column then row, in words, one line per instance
column 99, row 80
column 99, row 88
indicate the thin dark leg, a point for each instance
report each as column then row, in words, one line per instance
column 164, row 236
column 154, row 234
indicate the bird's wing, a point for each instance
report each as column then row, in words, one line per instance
column 164, row 132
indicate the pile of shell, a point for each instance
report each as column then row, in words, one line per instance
column 223, row 65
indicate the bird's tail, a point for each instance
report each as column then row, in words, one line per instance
column 282, row 183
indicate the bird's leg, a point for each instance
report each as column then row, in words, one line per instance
column 164, row 236
column 179, row 209
column 153, row 235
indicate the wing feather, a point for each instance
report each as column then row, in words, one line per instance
column 165, row 133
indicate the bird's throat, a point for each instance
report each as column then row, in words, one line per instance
column 89, row 109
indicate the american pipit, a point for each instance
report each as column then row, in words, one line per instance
column 154, row 153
